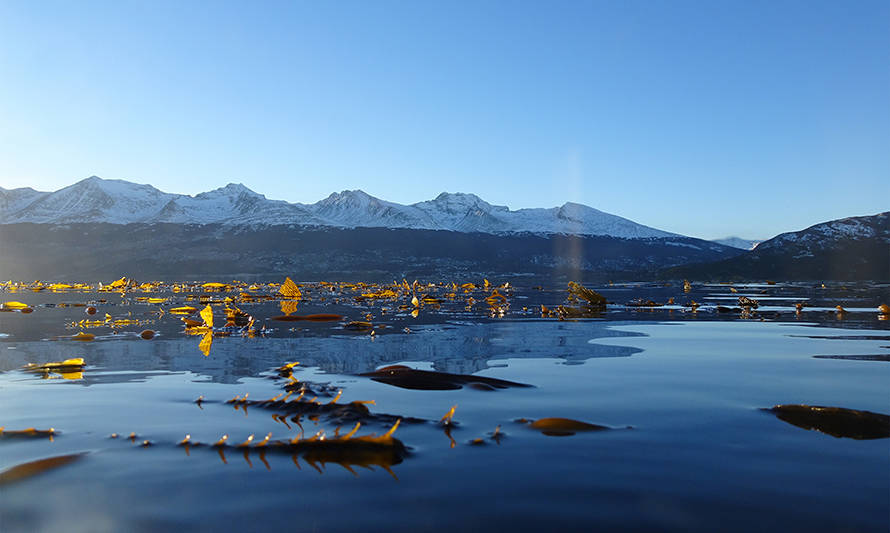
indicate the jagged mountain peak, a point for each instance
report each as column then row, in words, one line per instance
column 121, row 202
column 347, row 196
column 230, row 190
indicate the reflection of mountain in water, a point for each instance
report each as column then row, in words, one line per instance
column 455, row 348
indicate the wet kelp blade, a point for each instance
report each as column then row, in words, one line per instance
column 592, row 298
column 289, row 289
column 33, row 468
column 563, row 427
column 835, row 421
column 409, row 378
column 207, row 316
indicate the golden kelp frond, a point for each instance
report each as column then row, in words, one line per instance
column 184, row 310
column 287, row 368
column 496, row 298
column 289, row 289
column 207, row 316
column 29, row 433
column 447, row 419
column 68, row 365
column 381, row 294
column 563, row 427
column 117, row 284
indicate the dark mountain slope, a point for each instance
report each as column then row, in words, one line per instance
column 854, row 248
column 174, row 251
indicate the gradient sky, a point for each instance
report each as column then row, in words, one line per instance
column 704, row 118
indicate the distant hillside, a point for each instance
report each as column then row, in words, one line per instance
column 738, row 242
column 93, row 252
column 854, row 248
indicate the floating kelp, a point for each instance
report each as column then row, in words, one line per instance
column 29, row 433
column 303, row 405
column 12, row 306
column 367, row 450
column 289, row 289
column 750, row 303
column 33, row 468
column 409, row 378
column 561, row 427
column 563, row 312
column 184, row 310
column 68, row 365
column 835, row 421
column 591, row 297
column 876, row 357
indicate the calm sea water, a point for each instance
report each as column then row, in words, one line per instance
column 689, row 449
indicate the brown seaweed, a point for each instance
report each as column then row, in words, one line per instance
column 561, row 427
column 835, row 421
column 876, row 357
column 593, row 298
column 33, row 468
column 409, row 378
column 346, row 450
column 29, row 433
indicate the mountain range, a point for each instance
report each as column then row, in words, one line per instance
column 95, row 200
column 97, row 229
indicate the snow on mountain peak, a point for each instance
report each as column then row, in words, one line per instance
column 230, row 190
column 354, row 198
column 120, row 202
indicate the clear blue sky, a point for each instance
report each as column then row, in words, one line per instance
column 706, row 118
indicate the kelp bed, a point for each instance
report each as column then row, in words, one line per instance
column 463, row 404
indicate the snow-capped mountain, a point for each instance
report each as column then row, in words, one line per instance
column 829, row 234
column 122, row 202
column 854, row 248
column 737, row 242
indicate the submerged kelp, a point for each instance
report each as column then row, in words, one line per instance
column 835, row 421
column 34, row 468
column 409, row 378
